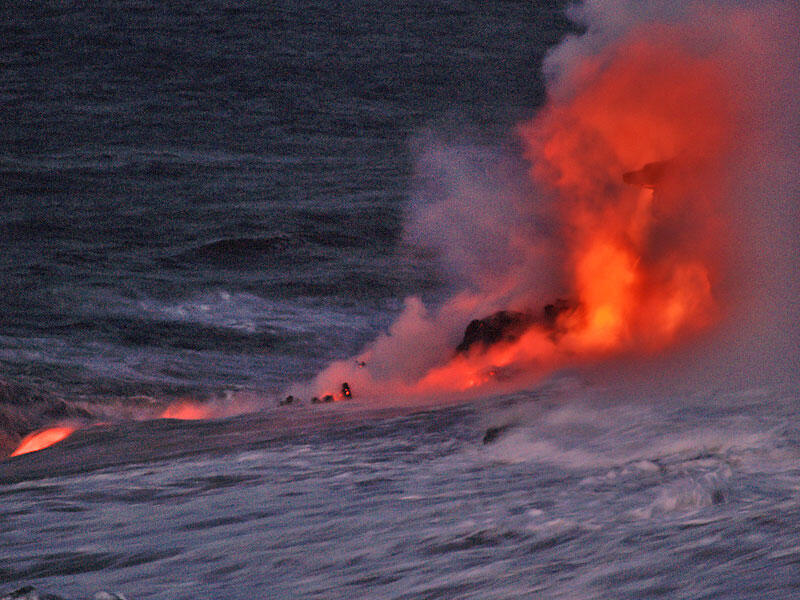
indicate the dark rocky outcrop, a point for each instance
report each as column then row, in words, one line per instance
column 507, row 326
column 493, row 433
column 289, row 400
column 649, row 175
column 551, row 312
column 501, row 326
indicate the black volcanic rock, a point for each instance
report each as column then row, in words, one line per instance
column 649, row 175
column 551, row 312
column 501, row 326
column 507, row 326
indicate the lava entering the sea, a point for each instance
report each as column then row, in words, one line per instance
column 631, row 160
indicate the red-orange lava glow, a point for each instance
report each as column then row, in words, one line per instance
column 44, row 438
column 186, row 410
column 640, row 261
column 632, row 153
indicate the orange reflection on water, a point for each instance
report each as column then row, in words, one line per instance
column 44, row 438
column 187, row 411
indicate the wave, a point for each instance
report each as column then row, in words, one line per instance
column 239, row 249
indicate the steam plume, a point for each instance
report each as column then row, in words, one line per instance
column 656, row 191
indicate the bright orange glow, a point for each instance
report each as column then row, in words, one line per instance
column 44, row 438
column 187, row 411
column 640, row 258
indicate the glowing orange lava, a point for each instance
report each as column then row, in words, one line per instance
column 187, row 411
column 44, row 438
column 640, row 260
column 631, row 152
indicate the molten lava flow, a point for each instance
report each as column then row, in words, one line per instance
column 44, row 438
column 641, row 260
column 186, row 410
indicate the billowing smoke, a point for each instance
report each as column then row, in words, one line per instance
column 647, row 222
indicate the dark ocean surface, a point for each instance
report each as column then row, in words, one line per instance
column 211, row 194
column 207, row 200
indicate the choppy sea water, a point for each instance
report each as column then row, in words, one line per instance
column 210, row 196
column 578, row 497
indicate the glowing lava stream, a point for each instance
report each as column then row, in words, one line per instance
column 186, row 410
column 44, row 438
column 181, row 410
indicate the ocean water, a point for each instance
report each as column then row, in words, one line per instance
column 576, row 498
column 211, row 195
column 207, row 200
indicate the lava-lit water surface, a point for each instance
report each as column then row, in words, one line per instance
column 39, row 440
column 575, row 498
column 186, row 411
